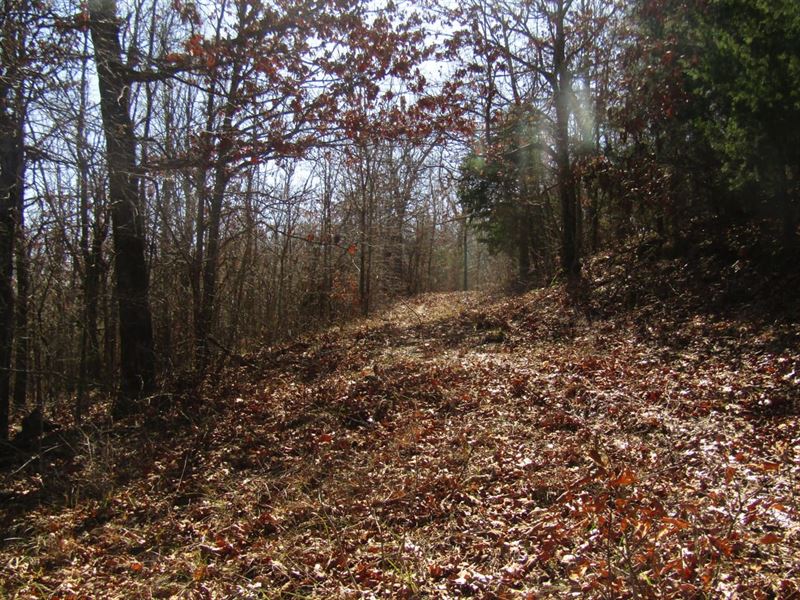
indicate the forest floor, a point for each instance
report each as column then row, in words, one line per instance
column 643, row 444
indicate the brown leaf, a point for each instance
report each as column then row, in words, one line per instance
column 770, row 538
column 767, row 467
column 721, row 545
column 678, row 524
column 729, row 473
column 625, row 478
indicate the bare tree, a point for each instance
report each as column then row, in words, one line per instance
column 137, row 362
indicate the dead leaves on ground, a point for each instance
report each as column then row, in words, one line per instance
column 407, row 456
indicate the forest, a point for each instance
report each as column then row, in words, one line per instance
column 399, row 299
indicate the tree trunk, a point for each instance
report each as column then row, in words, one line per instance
column 365, row 233
column 363, row 284
column 524, row 250
column 11, row 160
column 91, row 252
column 197, row 270
column 326, row 281
column 787, row 209
column 12, row 164
column 566, row 181
column 216, row 199
column 137, row 365
column 23, row 285
column 246, row 264
column 211, row 263
column 23, row 289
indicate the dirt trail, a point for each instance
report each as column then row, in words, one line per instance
column 456, row 445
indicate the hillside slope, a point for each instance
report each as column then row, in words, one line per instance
column 644, row 445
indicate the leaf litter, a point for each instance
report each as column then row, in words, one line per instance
column 455, row 445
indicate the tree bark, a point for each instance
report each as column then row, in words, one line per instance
column 23, row 290
column 91, row 252
column 11, row 150
column 566, row 182
column 216, row 199
column 12, row 162
column 211, row 263
column 365, row 192
column 137, row 364
column 23, row 285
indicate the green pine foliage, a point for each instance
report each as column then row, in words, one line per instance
column 747, row 75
